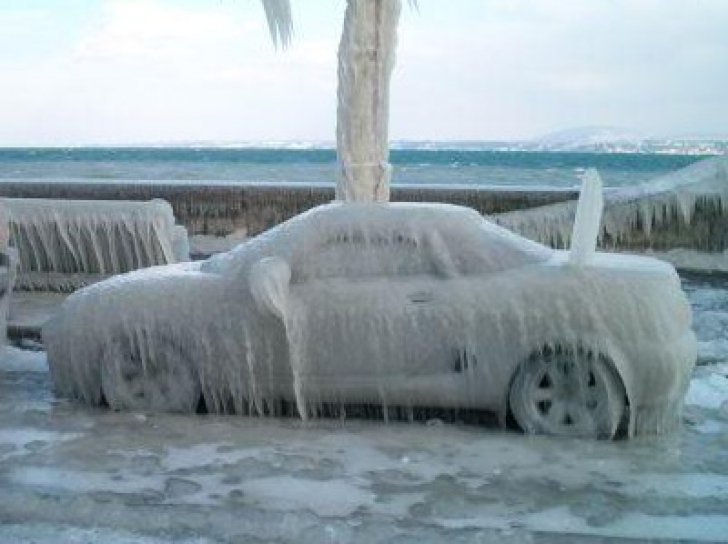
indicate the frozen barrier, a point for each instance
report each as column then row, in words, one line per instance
column 222, row 209
column 8, row 263
column 65, row 244
column 681, row 217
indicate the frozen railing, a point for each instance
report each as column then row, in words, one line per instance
column 681, row 216
column 65, row 244
column 8, row 263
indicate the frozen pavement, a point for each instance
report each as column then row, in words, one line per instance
column 74, row 474
column 29, row 310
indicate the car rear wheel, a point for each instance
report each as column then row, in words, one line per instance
column 139, row 376
column 568, row 392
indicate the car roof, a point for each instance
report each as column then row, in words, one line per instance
column 413, row 219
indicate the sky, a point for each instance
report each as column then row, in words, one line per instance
column 76, row 72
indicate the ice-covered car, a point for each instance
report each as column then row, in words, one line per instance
column 390, row 305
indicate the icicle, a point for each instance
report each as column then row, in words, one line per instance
column 280, row 22
column 366, row 59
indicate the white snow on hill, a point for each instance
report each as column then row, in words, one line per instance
column 581, row 137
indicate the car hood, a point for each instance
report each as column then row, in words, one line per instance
column 639, row 264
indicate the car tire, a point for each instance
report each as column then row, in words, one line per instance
column 135, row 376
column 571, row 392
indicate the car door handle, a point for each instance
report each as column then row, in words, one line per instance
column 421, row 297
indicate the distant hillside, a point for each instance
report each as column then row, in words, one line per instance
column 620, row 140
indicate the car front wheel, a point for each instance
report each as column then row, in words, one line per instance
column 138, row 375
column 568, row 392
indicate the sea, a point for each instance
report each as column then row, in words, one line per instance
column 443, row 165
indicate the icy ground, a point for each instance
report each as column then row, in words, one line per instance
column 73, row 474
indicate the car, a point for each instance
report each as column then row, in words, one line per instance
column 389, row 305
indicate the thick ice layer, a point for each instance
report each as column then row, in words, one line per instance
column 366, row 60
column 687, row 209
column 63, row 244
column 389, row 305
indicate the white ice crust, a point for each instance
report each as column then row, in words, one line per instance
column 63, row 244
column 388, row 305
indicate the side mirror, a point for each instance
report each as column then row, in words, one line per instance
column 270, row 279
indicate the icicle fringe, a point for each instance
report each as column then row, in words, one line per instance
column 65, row 244
column 684, row 209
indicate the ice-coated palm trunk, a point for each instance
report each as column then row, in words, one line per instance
column 366, row 59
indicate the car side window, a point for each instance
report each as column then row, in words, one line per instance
column 489, row 249
column 475, row 248
column 359, row 254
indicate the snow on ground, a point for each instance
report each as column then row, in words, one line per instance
column 77, row 474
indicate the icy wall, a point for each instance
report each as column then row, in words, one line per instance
column 681, row 213
column 684, row 210
column 219, row 209
column 63, row 244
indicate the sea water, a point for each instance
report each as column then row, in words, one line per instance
column 435, row 164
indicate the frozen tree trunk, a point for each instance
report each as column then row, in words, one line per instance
column 366, row 59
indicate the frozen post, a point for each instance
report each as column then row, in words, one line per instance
column 588, row 218
column 366, row 59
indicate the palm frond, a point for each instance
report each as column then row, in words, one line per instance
column 280, row 23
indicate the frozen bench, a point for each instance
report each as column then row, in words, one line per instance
column 65, row 244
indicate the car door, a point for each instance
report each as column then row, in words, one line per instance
column 365, row 315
